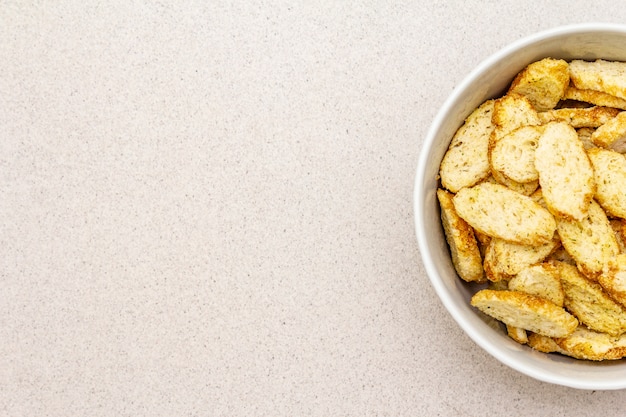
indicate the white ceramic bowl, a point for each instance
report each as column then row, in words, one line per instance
column 489, row 80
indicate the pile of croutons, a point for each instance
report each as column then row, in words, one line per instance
column 533, row 206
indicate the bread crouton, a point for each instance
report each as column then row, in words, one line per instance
column 587, row 344
column 543, row 343
column 525, row 311
column 542, row 82
column 514, row 154
column 613, row 278
column 565, row 173
column 587, row 301
column 504, row 259
column 461, row 241
column 466, row 161
column 518, row 334
column 496, row 211
column 594, row 97
column 513, row 111
column 600, row 75
column 591, row 241
column 541, row 280
column 609, row 169
column 580, row 117
column 612, row 134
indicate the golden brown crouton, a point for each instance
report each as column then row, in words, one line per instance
column 609, row 169
column 612, row 134
column 613, row 278
column 600, row 75
column 587, row 344
column 565, row 173
column 580, row 117
column 587, row 301
column 467, row 162
column 543, row 82
column 499, row 212
column 525, row 311
column 541, row 280
column 461, row 241
column 591, row 241
column 594, row 97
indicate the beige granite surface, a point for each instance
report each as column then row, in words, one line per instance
column 206, row 209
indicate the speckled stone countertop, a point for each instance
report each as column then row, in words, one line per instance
column 206, row 209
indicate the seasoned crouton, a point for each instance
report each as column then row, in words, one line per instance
column 541, row 280
column 543, row 82
column 513, row 111
column 518, row 334
column 587, row 344
column 514, row 154
column 591, row 241
column 565, row 173
column 518, row 309
column 609, row 169
column 600, row 75
column 460, row 237
column 612, row 134
column 467, row 162
column 543, row 343
column 504, row 259
column 580, row 117
column 587, row 301
column 613, row 278
column 496, row 211
column 594, row 97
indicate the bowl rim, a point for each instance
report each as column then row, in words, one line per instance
column 418, row 205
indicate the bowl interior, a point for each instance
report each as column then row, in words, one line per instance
column 489, row 80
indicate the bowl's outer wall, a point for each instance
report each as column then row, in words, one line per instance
column 490, row 80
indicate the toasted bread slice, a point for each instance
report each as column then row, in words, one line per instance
column 542, row 82
column 460, row 237
column 587, row 344
column 525, row 311
column 594, row 97
column 514, row 154
column 513, row 111
column 504, row 259
column 543, row 343
column 613, row 278
column 541, row 280
column 580, row 117
column 518, row 334
column 466, row 161
column 609, row 169
column 612, row 134
column 591, row 241
column 600, row 75
column 497, row 211
column 587, row 301
column 565, row 173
